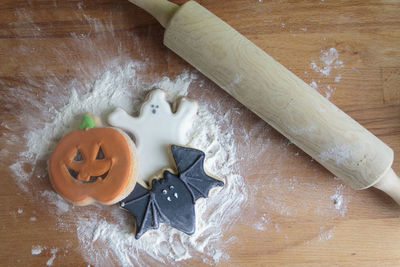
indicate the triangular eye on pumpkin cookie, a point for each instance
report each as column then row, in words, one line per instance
column 94, row 164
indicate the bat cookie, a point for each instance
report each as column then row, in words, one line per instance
column 94, row 164
column 155, row 129
column 171, row 199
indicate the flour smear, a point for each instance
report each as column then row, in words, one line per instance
column 328, row 62
column 106, row 234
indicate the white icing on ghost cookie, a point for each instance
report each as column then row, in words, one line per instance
column 155, row 129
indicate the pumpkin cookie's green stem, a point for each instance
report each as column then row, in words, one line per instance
column 87, row 122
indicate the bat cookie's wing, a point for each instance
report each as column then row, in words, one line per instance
column 140, row 203
column 190, row 163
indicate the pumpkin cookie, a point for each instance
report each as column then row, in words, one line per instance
column 94, row 164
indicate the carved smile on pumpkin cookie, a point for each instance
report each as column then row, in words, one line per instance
column 86, row 169
column 74, row 174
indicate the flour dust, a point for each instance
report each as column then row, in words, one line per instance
column 328, row 61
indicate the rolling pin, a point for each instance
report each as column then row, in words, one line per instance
column 276, row 95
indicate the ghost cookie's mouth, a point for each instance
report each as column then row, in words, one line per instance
column 75, row 175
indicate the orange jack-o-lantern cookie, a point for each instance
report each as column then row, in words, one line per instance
column 94, row 164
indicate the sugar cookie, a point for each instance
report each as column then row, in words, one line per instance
column 171, row 199
column 94, row 164
column 155, row 129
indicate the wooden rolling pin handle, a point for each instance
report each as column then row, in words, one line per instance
column 390, row 184
column 161, row 10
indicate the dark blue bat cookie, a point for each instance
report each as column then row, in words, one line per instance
column 171, row 199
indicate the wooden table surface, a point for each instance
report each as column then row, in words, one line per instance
column 300, row 223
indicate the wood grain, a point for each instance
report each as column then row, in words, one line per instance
column 310, row 232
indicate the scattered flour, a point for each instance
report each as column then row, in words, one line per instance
column 338, row 153
column 36, row 250
column 325, row 234
column 339, row 201
column 262, row 224
column 53, row 252
column 329, row 59
column 52, row 198
column 328, row 92
column 338, row 78
column 314, row 85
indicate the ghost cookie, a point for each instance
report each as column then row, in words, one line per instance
column 155, row 129
column 94, row 165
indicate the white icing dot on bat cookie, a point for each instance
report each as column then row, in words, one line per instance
column 155, row 129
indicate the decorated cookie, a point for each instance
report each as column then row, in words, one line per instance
column 171, row 199
column 155, row 129
column 94, row 164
